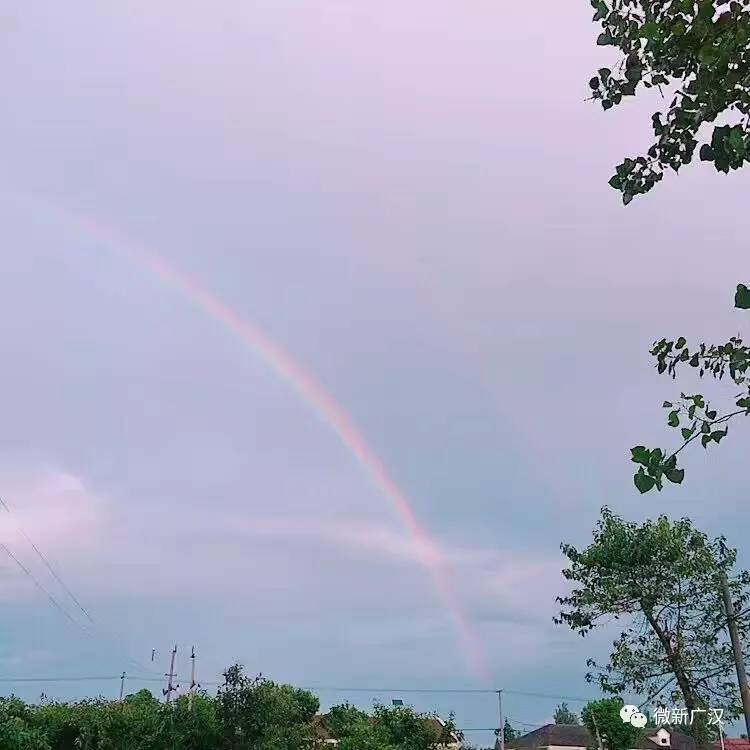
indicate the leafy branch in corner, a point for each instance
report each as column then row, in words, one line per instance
column 699, row 50
column 693, row 415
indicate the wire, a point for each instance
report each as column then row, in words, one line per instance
column 58, row 679
column 49, row 596
column 47, row 563
column 322, row 689
column 544, row 695
column 66, row 588
column 485, row 691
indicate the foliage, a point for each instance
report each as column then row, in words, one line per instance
column 661, row 579
column 388, row 728
column 563, row 715
column 246, row 714
column 693, row 415
column 602, row 719
column 17, row 731
column 257, row 713
column 509, row 733
column 698, row 51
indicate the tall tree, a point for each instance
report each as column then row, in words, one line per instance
column 695, row 416
column 695, row 51
column 563, row 715
column 661, row 579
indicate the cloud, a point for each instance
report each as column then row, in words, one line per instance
column 57, row 512
column 53, row 507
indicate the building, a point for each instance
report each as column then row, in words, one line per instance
column 574, row 737
column 732, row 743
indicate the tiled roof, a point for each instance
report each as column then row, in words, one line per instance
column 573, row 735
column 733, row 743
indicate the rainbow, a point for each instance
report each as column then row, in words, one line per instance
column 287, row 368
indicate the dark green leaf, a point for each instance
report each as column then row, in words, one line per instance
column 742, row 297
column 675, row 475
column 643, row 481
column 640, row 455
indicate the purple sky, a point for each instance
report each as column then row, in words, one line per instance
column 412, row 200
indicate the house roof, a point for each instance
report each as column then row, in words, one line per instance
column 569, row 735
column 574, row 735
column 733, row 743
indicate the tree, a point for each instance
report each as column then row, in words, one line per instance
column 509, row 733
column 17, row 731
column 388, row 728
column 661, row 578
column 602, row 719
column 563, row 715
column 693, row 415
column 696, row 50
column 259, row 714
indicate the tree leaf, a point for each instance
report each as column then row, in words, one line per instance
column 742, row 297
column 675, row 475
column 640, row 455
column 643, row 481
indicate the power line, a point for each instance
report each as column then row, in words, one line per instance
column 58, row 679
column 48, row 565
column 49, row 596
column 324, row 689
column 550, row 697
column 65, row 587
column 319, row 688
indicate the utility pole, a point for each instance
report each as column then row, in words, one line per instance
column 122, row 685
column 192, row 679
column 736, row 648
column 502, row 719
column 170, row 686
column 598, row 736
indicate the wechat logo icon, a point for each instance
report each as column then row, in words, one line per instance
column 631, row 715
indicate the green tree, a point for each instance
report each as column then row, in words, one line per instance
column 17, row 731
column 259, row 714
column 388, row 728
column 660, row 578
column 509, row 733
column 694, row 416
column 563, row 715
column 602, row 719
column 695, row 51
